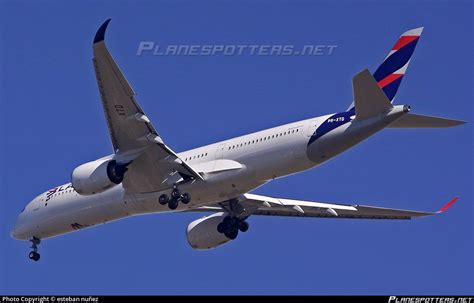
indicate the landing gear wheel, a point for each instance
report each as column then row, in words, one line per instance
column 232, row 233
column 175, row 193
column 234, row 222
column 173, row 204
column 220, row 228
column 243, row 226
column 226, row 221
column 34, row 256
column 185, row 198
column 163, row 199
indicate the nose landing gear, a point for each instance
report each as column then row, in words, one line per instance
column 231, row 226
column 176, row 197
column 34, row 255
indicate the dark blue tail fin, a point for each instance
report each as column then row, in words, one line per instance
column 390, row 73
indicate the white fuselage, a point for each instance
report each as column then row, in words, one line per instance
column 263, row 156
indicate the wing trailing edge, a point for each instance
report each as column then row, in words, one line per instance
column 269, row 206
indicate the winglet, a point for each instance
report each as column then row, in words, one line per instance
column 99, row 36
column 447, row 205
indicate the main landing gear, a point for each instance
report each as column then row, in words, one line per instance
column 174, row 199
column 34, row 255
column 231, row 226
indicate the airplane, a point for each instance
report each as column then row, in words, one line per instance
column 144, row 175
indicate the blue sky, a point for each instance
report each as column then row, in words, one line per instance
column 52, row 121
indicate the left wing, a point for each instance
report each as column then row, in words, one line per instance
column 154, row 166
column 267, row 206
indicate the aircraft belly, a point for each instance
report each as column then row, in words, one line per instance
column 69, row 214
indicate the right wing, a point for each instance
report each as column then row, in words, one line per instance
column 269, row 206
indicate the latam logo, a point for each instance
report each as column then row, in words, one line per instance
column 51, row 192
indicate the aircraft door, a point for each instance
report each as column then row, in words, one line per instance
column 313, row 125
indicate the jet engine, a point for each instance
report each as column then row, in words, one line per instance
column 97, row 176
column 203, row 234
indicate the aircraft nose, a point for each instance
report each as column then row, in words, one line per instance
column 16, row 232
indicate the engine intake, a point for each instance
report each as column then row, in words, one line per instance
column 202, row 233
column 116, row 172
column 97, row 176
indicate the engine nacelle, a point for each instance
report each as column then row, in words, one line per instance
column 97, row 176
column 203, row 234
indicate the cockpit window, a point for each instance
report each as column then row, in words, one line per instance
column 34, row 204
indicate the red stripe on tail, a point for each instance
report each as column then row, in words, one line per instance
column 404, row 40
column 389, row 79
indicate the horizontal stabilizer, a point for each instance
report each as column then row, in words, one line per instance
column 369, row 98
column 420, row 121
